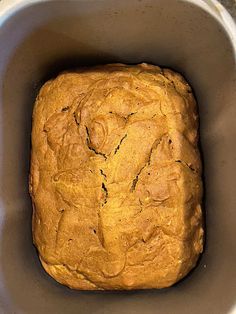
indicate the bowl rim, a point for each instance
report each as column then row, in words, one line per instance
column 10, row 7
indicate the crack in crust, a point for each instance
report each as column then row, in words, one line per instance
column 147, row 163
column 118, row 146
column 88, row 141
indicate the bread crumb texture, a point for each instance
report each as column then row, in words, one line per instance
column 116, row 178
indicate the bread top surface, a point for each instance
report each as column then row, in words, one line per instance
column 116, row 178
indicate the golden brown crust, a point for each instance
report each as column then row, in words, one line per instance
column 116, row 178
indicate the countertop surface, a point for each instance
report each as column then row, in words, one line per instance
column 230, row 5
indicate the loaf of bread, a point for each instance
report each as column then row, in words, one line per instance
column 116, row 178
